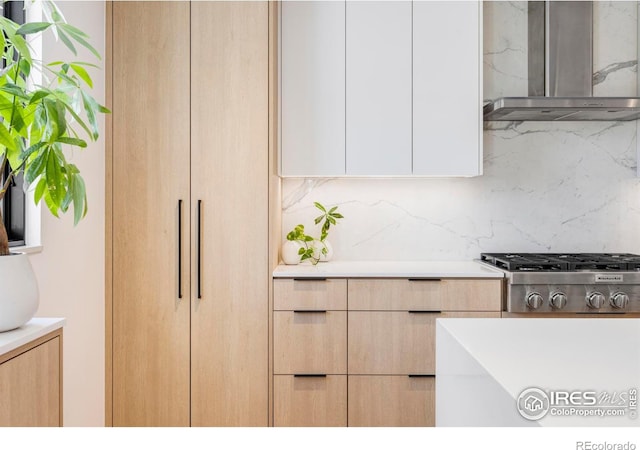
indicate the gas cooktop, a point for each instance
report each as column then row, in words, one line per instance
column 563, row 262
column 579, row 283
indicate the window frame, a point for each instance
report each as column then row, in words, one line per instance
column 14, row 203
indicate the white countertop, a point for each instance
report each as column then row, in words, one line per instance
column 484, row 365
column 35, row 328
column 389, row 269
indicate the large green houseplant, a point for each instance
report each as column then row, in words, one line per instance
column 40, row 122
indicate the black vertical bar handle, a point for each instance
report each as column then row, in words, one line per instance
column 179, row 248
column 199, row 249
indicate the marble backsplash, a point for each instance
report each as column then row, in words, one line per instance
column 547, row 187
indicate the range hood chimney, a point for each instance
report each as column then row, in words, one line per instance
column 560, row 66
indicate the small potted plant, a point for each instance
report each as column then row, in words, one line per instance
column 301, row 246
column 39, row 124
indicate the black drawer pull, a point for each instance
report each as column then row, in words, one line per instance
column 425, row 279
column 419, row 311
column 310, row 311
column 310, row 375
column 310, row 279
column 421, row 376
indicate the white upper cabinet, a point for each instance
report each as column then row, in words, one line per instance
column 312, row 80
column 381, row 88
column 378, row 88
column 447, row 88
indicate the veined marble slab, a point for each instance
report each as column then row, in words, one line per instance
column 537, row 372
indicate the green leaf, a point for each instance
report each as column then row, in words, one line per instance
column 14, row 90
column 79, row 199
column 90, row 108
column 319, row 206
column 6, row 139
column 78, row 119
column 25, row 67
column 82, row 73
column 338, row 216
column 72, row 141
column 38, row 95
column 33, row 27
column 51, row 204
column 73, row 30
column 55, row 182
column 66, row 41
column 332, row 220
column 79, row 37
column 40, row 188
column 318, row 219
column 36, row 167
column 333, row 209
column 34, row 148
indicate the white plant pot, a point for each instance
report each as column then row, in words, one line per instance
column 290, row 254
column 18, row 291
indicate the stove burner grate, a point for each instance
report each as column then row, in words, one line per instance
column 563, row 262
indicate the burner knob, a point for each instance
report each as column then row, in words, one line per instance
column 534, row 300
column 619, row 300
column 595, row 300
column 558, row 300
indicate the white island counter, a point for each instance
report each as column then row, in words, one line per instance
column 537, row 372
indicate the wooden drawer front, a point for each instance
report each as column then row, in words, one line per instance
column 396, row 342
column 438, row 295
column 30, row 388
column 391, row 342
column 391, row 401
column 310, row 401
column 290, row 294
column 310, row 342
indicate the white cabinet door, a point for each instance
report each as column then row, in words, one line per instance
column 378, row 88
column 447, row 88
column 312, row 88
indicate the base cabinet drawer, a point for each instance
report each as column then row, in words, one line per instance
column 391, row 401
column 30, row 387
column 310, row 342
column 396, row 342
column 302, row 401
column 426, row 294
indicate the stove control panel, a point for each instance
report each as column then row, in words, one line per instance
column 579, row 298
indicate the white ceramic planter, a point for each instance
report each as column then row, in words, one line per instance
column 290, row 254
column 18, row 291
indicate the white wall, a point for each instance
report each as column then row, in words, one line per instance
column 546, row 187
column 70, row 269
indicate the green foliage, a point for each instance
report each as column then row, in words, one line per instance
column 38, row 123
column 307, row 250
column 329, row 218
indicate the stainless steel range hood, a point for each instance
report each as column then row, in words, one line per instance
column 560, row 66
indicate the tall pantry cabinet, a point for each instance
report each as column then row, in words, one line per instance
column 188, row 176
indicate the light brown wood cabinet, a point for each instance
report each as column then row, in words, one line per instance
column 310, row 352
column 303, row 401
column 188, row 184
column 391, row 401
column 389, row 341
column 31, row 384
